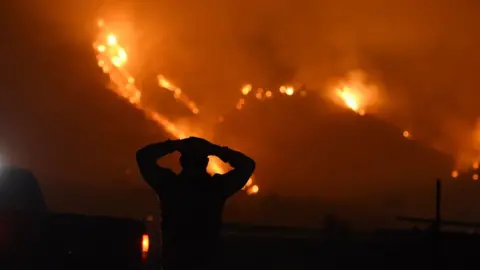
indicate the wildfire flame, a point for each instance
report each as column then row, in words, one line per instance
column 351, row 99
column 353, row 94
column 178, row 94
column 112, row 59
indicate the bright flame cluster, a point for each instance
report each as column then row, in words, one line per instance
column 264, row 94
column 113, row 58
column 351, row 100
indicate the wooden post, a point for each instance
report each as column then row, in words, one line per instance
column 436, row 245
column 438, row 205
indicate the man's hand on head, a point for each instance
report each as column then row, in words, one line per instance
column 196, row 145
column 177, row 145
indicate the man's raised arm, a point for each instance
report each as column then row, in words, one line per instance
column 243, row 167
column 147, row 158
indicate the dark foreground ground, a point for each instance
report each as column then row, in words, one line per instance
column 382, row 250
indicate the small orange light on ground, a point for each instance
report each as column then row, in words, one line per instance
column 145, row 245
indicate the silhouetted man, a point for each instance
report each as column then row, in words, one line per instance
column 192, row 201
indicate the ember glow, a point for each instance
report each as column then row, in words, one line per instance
column 265, row 94
column 113, row 59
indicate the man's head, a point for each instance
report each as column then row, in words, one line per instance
column 194, row 162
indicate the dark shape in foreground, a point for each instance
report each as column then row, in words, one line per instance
column 32, row 237
column 192, row 202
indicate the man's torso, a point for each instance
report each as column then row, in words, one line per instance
column 191, row 218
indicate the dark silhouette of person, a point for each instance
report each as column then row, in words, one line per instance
column 192, row 202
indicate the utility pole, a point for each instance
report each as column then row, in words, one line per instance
column 436, row 224
column 436, row 234
column 438, row 205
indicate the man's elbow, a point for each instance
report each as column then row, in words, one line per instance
column 141, row 156
column 249, row 166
